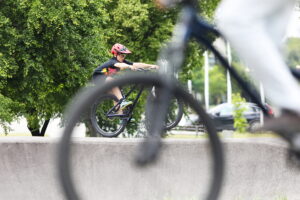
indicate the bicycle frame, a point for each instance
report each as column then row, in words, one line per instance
column 191, row 25
column 128, row 114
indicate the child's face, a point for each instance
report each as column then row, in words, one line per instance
column 121, row 57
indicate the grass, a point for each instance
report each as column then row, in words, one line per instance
column 253, row 135
column 19, row 135
column 14, row 134
column 192, row 135
column 233, row 135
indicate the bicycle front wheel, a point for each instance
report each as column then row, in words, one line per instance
column 105, row 119
column 209, row 152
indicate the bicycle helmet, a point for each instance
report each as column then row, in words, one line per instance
column 119, row 48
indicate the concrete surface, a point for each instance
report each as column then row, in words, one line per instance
column 103, row 169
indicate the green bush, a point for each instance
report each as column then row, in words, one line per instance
column 240, row 122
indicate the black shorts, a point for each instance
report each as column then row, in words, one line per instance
column 98, row 78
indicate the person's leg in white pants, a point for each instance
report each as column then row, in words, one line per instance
column 255, row 29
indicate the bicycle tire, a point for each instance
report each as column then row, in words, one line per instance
column 103, row 125
column 171, row 122
column 85, row 98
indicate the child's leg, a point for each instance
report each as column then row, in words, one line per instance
column 116, row 90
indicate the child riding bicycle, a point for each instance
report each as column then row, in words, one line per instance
column 118, row 62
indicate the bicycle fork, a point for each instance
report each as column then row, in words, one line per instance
column 157, row 109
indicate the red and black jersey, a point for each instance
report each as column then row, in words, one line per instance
column 108, row 68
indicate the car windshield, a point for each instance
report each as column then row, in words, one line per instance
column 227, row 109
column 222, row 109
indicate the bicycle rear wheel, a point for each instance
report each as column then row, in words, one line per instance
column 104, row 119
column 87, row 98
column 175, row 112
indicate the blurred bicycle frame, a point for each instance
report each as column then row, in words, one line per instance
column 190, row 25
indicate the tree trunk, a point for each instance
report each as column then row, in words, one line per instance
column 35, row 131
column 43, row 131
column 89, row 129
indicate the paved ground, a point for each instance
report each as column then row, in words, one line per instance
column 255, row 169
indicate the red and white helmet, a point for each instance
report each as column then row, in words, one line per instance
column 119, row 48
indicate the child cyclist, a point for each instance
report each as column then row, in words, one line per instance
column 115, row 64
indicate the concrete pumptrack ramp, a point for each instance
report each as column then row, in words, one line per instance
column 255, row 169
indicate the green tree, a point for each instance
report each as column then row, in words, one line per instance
column 217, row 83
column 48, row 49
column 8, row 112
column 218, row 80
column 144, row 28
column 292, row 49
column 240, row 122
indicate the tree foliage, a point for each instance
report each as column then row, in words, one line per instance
column 292, row 49
column 240, row 122
column 48, row 48
column 217, row 84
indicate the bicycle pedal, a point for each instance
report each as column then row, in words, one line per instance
column 126, row 112
column 116, row 110
column 129, row 107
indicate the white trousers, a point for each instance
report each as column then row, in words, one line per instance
column 256, row 29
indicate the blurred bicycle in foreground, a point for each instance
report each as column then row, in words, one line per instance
column 189, row 25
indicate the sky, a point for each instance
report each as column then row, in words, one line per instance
column 294, row 25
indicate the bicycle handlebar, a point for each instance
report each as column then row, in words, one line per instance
column 145, row 70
